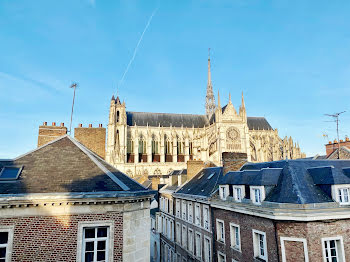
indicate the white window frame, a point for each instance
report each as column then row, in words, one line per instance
column 184, row 237
column 340, row 253
column 80, row 237
column 235, row 197
column 171, row 206
column 190, row 246
column 256, row 244
column 161, row 200
column 183, row 209
column 205, row 207
column 207, row 255
column 178, row 208
column 262, row 194
column 190, row 212
column 336, row 195
column 220, row 236
column 166, row 203
column 9, row 245
column 221, row 254
column 200, row 245
column 293, row 239
column 197, row 215
column 224, row 191
column 178, row 233
column 233, row 241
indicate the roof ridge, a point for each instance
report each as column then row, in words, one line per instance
column 40, row 147
column 166, row 113
column 98, row 164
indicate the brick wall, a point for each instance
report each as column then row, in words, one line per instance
column 233, row 161
column 49, row 133
column 313, row 232
column 247, row 223
column 193, row 168
column 93, row 138
column 332, row 146
column 54, row 238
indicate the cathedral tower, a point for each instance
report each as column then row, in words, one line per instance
column 209, row 99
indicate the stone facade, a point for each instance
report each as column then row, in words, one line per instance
column 149, row 146
column 94, row 138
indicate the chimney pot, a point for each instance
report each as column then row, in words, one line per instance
column 45, row 124
column 341, row 140
column 90, row 125
column 62, row 124
column 53, row 123
column 335, row 141
column 330, row 142
column 99, row 125
column 347, row 139
column 80, row 125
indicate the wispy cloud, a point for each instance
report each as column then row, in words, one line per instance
column 137, row 47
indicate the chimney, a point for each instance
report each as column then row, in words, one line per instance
column 99, row 125
column 53, row 123
column 62, row 125
column 90, row 125
column 233, row 161
column 80, row 125
column 45, row 124
column 193, row 168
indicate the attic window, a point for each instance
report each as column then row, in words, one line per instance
column 10, row 172
column 202, row 174
column 211, row 175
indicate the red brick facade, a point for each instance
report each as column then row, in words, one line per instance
column 246, row 223
column 54, row 238
column 93, row 138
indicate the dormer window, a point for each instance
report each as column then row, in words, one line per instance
column 238, row 193
column 224, row 192
column 341, row 194
column 257, row 194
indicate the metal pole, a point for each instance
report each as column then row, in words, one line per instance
column 74, row 85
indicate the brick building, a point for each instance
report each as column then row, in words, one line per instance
column 62, row 202
column 290, row 210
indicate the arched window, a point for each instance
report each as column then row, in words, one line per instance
column 168, row 149
column 155, row 149
column 118, row 116
column 142, row 149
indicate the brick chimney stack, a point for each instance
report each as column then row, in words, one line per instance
column 233, row 161
column 49, row 133
column 332, row 146
column 94, row 138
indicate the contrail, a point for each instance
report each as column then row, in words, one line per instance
column 137, row 47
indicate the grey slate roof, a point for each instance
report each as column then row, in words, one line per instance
column 299, row 180
column 185, row 120
column 65, row 165
column 263, row 177
column 200, row 185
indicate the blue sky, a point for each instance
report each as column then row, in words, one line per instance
column 290, row 58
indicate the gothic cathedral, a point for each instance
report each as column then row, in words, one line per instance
column 143, row 144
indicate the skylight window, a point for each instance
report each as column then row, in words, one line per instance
column 211, row 175
column 10, row 173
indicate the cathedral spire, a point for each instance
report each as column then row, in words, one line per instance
column 219, row 105
column 229, row 98
column 243, row 104
column 209, row 99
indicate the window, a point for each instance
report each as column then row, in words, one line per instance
column 178, row 233
column 95, row 244
column 171, row 206
column 190, row 212
column 224, row 192
column 206, row 217
column 198, row 245
column 221, row 257
column 184, row 237
column 166, row 208
column 207, row 250
column 161, row 200
column 333, row 249
column 184, row 217
column 257, row 194
column 260, row 245
column 10, row 172
column 6, row 239
column 164, row 226
column 178, row 212
column 130, row 147
column 343, row 195
column 238, row 193
column 190, row 241
column 235, row 236
column 159, row 224
column 220, row 231
column 197, row 214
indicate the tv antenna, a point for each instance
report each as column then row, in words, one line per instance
column 74, row 86
column 335, row 117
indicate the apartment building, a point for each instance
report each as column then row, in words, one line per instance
column 290, row 210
